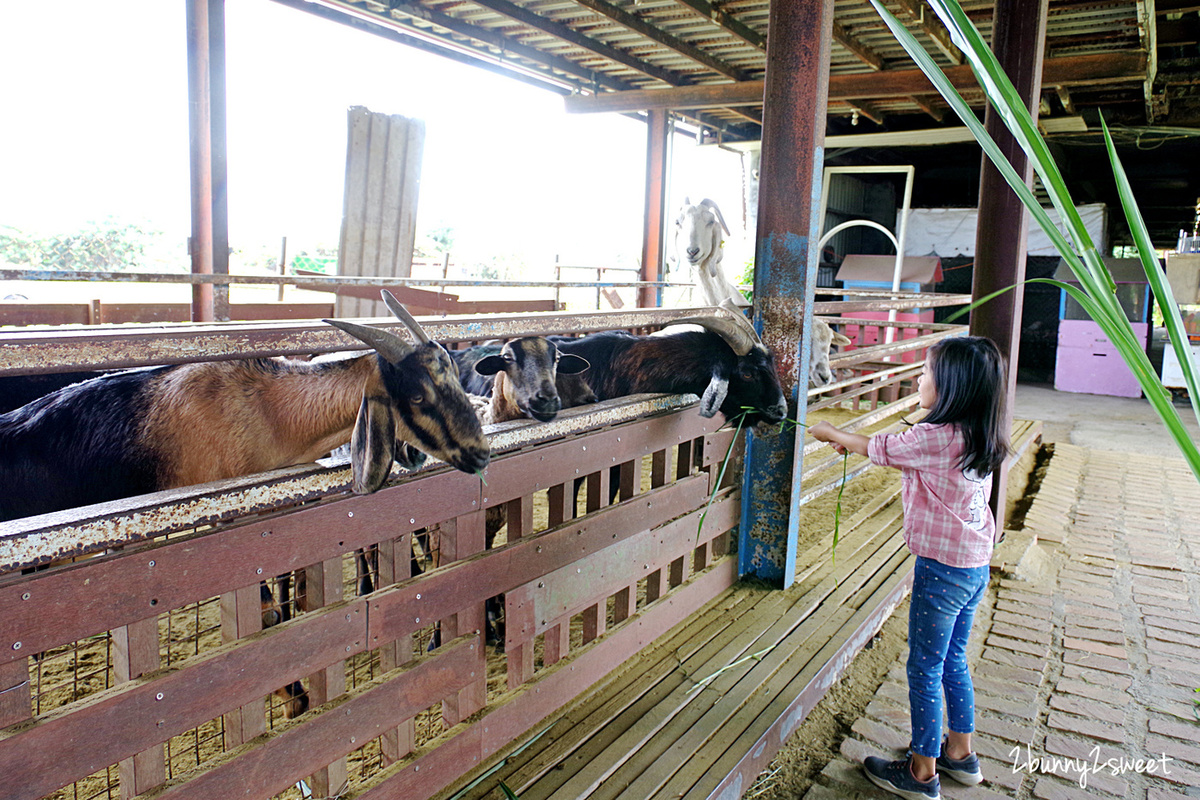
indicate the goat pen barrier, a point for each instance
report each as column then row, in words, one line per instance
column 99, row 693
column 146, row 669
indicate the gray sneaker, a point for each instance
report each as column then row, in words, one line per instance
column 897, row 778
column 964, row 770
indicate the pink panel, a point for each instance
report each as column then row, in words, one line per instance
column 1088, row 362
column 870, row 334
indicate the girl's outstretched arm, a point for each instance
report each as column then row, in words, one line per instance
column 840, row 440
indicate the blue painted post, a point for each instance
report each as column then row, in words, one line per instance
column 785, row 275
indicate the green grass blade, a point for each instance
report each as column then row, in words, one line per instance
column 509, row 794
column 1158, row 282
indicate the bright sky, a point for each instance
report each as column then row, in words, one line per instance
column 94, row 98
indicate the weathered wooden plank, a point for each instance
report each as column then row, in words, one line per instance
column 598, row 711
column 753, row 750
column 445, row 591
column 466, row 539
column 497, row 729
column 331, row 732
column 630, row 721
column 63, row 604
column 740, row 700
column 135, row 652
column 241, row 616
column 575, row 587
column 14, row 692
column 512, row 476
column 394, row 565
column 67, row 745
column 323, row 588
column 611, row 772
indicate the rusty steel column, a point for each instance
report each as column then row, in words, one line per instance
column 1018, row 39
column 209, row 243
column 785, row 273
column 657, row 131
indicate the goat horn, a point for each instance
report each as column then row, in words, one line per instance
column 386, row 343
column 710, row 204
column 735, row 329
column 402, row 314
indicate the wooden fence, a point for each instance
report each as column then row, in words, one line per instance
column 146, row 669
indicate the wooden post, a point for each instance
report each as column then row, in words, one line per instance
column 324, row 587
column 241, row 615
column 135, row 652
column 395, row 563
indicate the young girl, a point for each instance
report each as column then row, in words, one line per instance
column 946, row 462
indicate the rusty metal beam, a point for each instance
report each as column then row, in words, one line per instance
column 1018, row 39
column 864, row 52
column 1066, row 71
column 785, row 272
column 928, row 22
column 209, row 244
column 572, row 36
column 865, row 109
column 658, row 132
column 639, row 25
column 119, row 346
column 927, row 106
column 727, row 22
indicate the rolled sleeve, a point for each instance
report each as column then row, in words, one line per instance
column 919, row 447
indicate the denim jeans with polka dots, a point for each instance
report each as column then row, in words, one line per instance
column 939, row 623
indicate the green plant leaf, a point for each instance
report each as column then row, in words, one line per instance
column 509, row 794
column 1158, row 283
column 1097, row 290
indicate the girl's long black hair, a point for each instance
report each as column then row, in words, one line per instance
column 968, row 373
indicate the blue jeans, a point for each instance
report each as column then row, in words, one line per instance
column 939, row 624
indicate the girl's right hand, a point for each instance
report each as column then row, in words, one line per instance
column 825, row 432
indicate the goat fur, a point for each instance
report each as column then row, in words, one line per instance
column 699, row 243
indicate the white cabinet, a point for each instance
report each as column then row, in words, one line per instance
column 1172, row 372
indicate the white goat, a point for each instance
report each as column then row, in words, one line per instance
column 824, row 337
column 699, row 243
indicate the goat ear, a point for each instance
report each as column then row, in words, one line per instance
column 714, row 395
column 714, row 255
column 489, row 365
column 841, row 339
column 571, row 365
column 372, row 445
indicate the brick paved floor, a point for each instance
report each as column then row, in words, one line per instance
column 1086, row 665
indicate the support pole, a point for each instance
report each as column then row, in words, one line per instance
column 1018, row 39
column 656, row 188
column 209, row 243
column 785, row 274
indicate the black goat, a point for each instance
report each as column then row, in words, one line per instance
column 520, row 376
column 726, row 364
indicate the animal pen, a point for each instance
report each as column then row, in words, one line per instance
column 146, row 669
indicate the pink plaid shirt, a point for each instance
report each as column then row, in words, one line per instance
column 946, row 513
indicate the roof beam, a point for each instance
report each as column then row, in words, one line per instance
column 929, row 108
column 727, row 22
column 1066, row 70
column 639, row 25
column 572, row 36
column 864, row 53
column 863, row 109
column 933, row 28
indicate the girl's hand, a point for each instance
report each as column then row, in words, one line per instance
column 825, row 432
column 822, row 431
